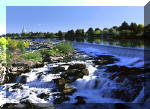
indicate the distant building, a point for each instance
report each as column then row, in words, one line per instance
column 23, row 30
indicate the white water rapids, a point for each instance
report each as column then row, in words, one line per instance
column 96, row 87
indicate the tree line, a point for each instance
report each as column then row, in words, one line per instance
column 124, row 31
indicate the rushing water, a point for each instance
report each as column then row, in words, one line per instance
column 96, row 87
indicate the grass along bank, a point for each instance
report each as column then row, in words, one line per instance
column 19, row 58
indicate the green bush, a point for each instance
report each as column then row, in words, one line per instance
column 17, row 45
column 64, row 48
column 45, row 52
column 34, row 56
column 55, row 52
column 125, row 32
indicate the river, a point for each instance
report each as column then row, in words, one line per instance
column 97, row 87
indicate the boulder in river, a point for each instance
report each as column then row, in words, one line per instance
column 61, row 99
column 77, row 66
column 43, row 96
column 58, row 69
column 23, row 79
column 60, row 82
column 80, row 100
column 75, row 72
column 17, row 86
column 105, row 59
column 127, row 95
column 68, row 90
column 123, row 70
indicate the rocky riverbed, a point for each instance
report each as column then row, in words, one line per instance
column 79, row 79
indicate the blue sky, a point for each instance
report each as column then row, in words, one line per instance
column 54, row 18
column 4, row 3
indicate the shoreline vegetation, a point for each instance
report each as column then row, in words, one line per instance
column 125, row 31
column 18, row 58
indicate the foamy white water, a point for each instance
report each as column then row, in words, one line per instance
column 96, row 87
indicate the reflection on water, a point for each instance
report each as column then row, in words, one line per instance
column 123, row 42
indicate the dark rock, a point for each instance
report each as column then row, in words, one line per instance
column 77, row 66
column 23, row 79
column 68, row 90
column 54, row 90
column 121, row 106
column 123, row 70
column 57, row 70
column 23, row 69
column 80, row 100
column 119, row 79
column 43, row 96
column 73, row 72
column 127, row 95
column 113, row 68
column 28, row 104
column 60, row 82
column 8, row 106
column 105, row 59
column 61, row 99
column 37, row 65
column 85, row 72
column 39, row 75
column 10, row 77
column 16, row 64
column 17, row 86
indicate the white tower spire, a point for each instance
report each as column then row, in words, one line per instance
column 23, row 30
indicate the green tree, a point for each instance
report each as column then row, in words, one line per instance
column 124, row 26
column 90, row 32
column 97, row 32
column 140, row 28
column 134, row 28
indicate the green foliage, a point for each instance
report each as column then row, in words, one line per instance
column 113, row 32
column 34, row 56
column 55, row 52
column 97, row 32
column 48, row 40
column 9, row 55
column 97, row 41
column 2, row 57
column 90, row 31
column 81, row 35
column 64, row 48
column 17, row 45
column 60, row 33
column 59, row 50
column 20, row 45
column 124, row 26
column 3, row 43
column 45, row 52
column 125, row 33
column 12, row 44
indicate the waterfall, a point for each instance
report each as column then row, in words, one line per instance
column 115, row 50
